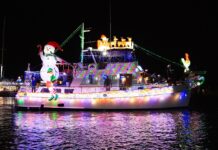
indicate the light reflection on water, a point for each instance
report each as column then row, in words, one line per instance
column 169, row 129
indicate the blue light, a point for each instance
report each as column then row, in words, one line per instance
column 183, row 95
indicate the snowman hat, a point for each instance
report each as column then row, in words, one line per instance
column 55, row 45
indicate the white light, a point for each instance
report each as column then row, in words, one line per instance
column 90, row 48
column 140, row 68
column 87, row 81
column 104, row 53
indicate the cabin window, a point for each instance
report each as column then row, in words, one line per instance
column 68, row 91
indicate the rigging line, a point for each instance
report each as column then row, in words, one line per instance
column 90, row 42
column 160, row 57
column 64, row 60
column 154, row 57
column 154, row 54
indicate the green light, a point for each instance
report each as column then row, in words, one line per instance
column 20, row 101
column 54, row 116
column 20, row 114
column 201, row 80
column 54, row 103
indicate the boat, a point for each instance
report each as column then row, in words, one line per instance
column 107, row 77
column 8, row 88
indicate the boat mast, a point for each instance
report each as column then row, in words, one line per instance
column 3, row 42
column 82, row 36
column 82, row 42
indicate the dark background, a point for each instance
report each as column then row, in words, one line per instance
column 168, row 28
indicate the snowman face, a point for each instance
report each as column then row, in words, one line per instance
column 48, row 49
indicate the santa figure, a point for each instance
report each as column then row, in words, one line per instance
column 49, row 71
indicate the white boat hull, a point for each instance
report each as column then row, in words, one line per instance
column 155, row 98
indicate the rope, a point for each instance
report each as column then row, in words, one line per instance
column 150, row 53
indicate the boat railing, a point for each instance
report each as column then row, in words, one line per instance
column 89, row 89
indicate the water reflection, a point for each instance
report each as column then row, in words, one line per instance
column 115, row 130
column 6, row 101
column 172, row 129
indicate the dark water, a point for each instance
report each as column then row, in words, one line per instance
column 87, row 130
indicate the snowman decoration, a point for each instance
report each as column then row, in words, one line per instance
column 49, row 71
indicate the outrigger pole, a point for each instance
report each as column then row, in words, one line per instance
column 70, row 36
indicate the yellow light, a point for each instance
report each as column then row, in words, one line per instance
column 146, row 99
column 94, row 101
column 132, row 100
column 176, row 97
column 20, row 94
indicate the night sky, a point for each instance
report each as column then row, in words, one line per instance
column 168, row 28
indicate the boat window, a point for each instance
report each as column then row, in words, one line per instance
column 58, row 90
column 45, row 90
column 68, row 90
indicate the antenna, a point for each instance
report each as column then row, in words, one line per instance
column 110, row 17
column 3, row 47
